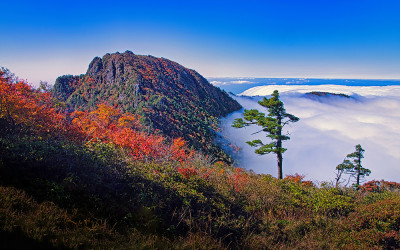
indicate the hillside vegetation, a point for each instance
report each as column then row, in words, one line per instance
column 79, row 180
column 169, row 99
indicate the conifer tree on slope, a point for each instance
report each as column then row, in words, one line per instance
column 352, row 165
column 271, row 124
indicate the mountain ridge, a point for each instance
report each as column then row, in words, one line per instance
column 169, row 98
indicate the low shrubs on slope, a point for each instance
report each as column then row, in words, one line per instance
column 79, row 181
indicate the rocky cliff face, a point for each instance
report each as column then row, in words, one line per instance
column 170, row 98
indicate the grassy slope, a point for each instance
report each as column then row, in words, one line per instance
column 57, row 194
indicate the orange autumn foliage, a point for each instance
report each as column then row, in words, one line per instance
column 21, row 106
column 102, row 122
column 296, row 178
column 238, row 180
column 141, row 146
column 178, row 150
column 379, row 186
column 109, row 124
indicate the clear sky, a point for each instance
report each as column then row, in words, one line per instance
column 41, row 40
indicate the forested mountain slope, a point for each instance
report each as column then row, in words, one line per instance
column 169, row 98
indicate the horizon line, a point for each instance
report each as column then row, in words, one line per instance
column 316, row 78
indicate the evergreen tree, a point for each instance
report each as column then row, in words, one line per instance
column 352, row 165
column 271, row 124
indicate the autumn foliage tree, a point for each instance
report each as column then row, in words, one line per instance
column 24, row 108
column 102, row 122
column 108, row 124
column 297, row 178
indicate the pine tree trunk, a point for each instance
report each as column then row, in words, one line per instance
column 358, row 171
column 279, row 156
column 279, row 147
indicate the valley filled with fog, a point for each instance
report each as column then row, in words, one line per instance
column 328, row 130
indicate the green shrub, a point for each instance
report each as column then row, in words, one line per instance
column 332, row 202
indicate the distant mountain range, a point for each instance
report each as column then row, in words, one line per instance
column 169, row 98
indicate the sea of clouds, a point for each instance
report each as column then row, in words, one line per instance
column 328, row 130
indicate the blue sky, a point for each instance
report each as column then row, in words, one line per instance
column 41, row 40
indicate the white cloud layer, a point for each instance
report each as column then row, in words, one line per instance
column 348, row 90
column 218, row 83
column 328, row 130
column 227, row 82
column 239, row 82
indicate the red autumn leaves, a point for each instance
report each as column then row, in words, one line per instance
column 24, row 107
column 108, row 124
column 39, row 114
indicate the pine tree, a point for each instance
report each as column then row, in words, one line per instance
column 352, row 165
column 271, row 124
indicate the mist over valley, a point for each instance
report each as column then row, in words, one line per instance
column 329, row 128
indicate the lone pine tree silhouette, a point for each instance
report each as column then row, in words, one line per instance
column 352, row 166
column 272, row 124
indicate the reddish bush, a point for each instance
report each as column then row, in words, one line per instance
column 296, row 178
column 238, row 179
column 187, row 172
column 379, row 186
column 23, row 107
